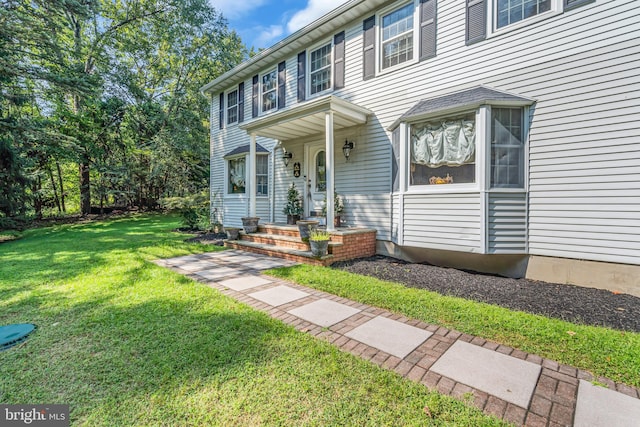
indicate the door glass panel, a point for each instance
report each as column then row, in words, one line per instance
column 321, row 172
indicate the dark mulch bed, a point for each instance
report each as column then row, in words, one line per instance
column 571, row 303
column 206, row 238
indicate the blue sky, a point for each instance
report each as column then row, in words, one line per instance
column 261, row 23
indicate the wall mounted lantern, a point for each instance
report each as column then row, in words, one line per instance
column 286, row 156
column 346, row 149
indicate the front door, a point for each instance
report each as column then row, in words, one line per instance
column 316, row 178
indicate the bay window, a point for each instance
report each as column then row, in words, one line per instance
column 237, row 175
column 443, row 151
column 507, row 147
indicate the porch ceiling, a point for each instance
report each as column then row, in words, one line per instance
column 308, row 118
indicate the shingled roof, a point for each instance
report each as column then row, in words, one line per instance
column 469, row 98
column 245, row 149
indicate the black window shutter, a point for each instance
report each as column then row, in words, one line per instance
column 255, row 97
column 302, row 82
column 476, row 21
column 427, row 28
column 338, row 61
column 221, row 112
column 369, row 48
column 571, row 4
column 282, row 75
column 241, row 102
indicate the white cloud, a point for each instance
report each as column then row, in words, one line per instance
column 268, row 35
column 233, row 9
column 314, row 10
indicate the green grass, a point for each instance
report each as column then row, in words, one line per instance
column 125, row 342
column 602, row 351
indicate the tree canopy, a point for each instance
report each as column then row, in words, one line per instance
column 99, row 101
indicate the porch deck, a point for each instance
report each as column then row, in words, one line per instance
column 283, row 241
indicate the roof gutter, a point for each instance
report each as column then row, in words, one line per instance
column 267, row 55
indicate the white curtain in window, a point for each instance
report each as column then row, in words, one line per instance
column 237, row 172
column 449, row 143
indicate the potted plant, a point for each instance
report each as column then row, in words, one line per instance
column 319, row 242
column 232, row 233
column 338, row 207
column 305, row 228
column 293, row 208
column 250, row 224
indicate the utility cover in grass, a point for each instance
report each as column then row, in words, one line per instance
column 11, row 335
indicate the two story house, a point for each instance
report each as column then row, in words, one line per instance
column 494, row 135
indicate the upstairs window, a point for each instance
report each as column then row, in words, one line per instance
column 320, row 69
column 511, row 11
column 269, row 91
column 397, row 36
column 232, row 107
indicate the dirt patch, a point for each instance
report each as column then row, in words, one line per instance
column 571, row 303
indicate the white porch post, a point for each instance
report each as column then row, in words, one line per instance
column 252, row 176
column 328, row 118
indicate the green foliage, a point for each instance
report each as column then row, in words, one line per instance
column 294, row 202
column 319, row 235
column 126, row 342
column 338, row 205
column 602, row 351
column 193, row 209
column 109, row 90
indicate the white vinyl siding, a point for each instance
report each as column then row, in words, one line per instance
column 507, row 223
column 447, row 221
column 581, row 67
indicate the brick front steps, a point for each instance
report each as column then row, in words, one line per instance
column 283, row 241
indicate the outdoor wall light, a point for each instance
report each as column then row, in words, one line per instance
column 286, row 156
column 346, row 149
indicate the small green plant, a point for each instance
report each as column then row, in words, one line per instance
column 338, row 204
column 194, row 209
column 294, row 202
column 319, row 235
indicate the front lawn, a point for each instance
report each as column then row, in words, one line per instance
column 125, row 342
column 602, row 351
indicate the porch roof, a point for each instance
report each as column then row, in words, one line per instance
column 307, row 118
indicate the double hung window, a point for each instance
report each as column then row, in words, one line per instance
column 507, row 148
column 397, row 36
column 320, row 69
column 232, row 107
column 269, row 91
column 511, row 11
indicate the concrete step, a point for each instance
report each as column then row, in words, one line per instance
column 291, row 254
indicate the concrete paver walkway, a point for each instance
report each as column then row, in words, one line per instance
column 521, row 388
